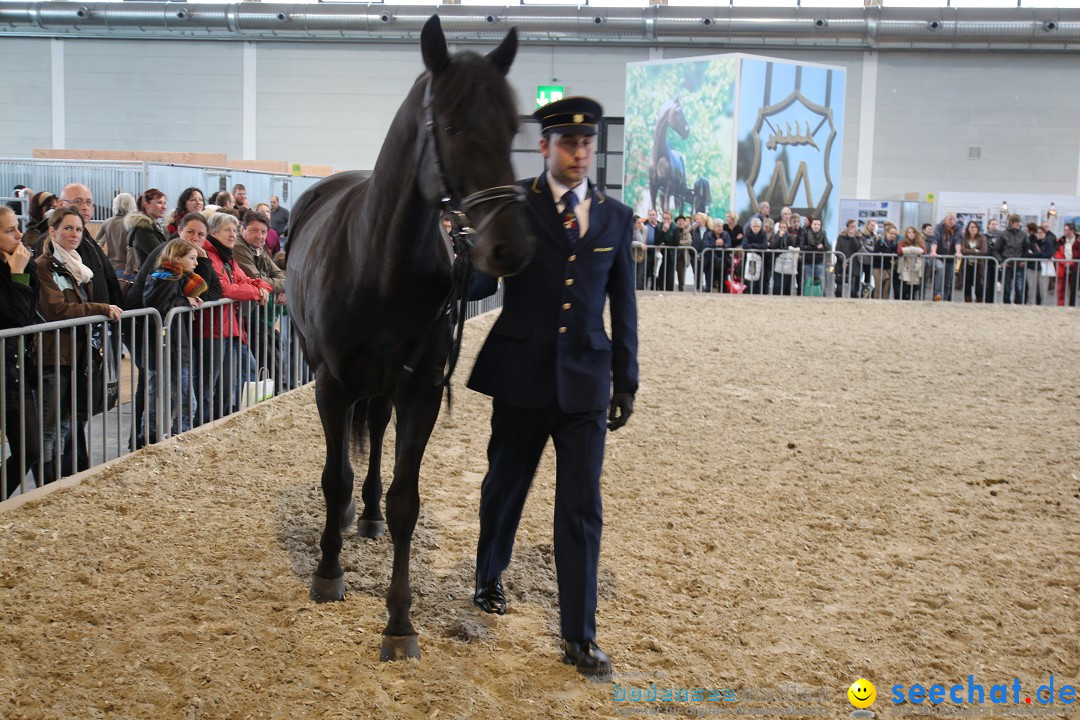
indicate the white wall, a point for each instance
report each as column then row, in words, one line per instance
column 154, row 95
column 26, row 109
column 331, row 103
column 1020, row 109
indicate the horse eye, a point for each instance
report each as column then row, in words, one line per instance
column 451, row 130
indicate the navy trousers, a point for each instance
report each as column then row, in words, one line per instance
column 518, row 437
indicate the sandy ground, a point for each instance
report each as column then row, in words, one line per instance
column 808, row 492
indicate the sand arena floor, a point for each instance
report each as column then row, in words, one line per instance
column 808, row 492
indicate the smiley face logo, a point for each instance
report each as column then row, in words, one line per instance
column 862, row 693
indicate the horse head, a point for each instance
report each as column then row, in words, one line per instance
column 471, row 119
column 677, row 119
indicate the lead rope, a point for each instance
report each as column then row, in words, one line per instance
column 455, row 306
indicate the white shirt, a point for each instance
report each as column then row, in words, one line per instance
column 581, row 209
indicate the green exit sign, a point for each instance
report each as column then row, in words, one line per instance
column 548, row 93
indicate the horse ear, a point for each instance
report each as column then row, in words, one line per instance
column 433, row 46
column 503, row 56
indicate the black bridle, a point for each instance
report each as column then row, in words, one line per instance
column 462, row 232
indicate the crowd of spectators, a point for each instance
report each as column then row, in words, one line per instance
column 153, row 255
column 791, row 255
column 147, row 255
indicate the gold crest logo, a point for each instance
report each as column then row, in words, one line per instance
column 579, row 118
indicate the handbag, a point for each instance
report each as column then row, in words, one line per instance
column 752, row 271
column 101, row 378
column 788, row 262
column 256, row 391
column 812, row 288
column 1048, row 269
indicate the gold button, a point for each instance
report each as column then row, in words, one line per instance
column 573, row 258
column 566, row 306
column 570, row 281
column 562, row 329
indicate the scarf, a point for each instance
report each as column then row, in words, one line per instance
column 225, row 253
column 191, row 285
column 73, row 263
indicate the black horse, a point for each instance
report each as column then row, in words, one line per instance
column 370, row 291
column 667, row 168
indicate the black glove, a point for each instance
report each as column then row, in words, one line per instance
column 622, row 407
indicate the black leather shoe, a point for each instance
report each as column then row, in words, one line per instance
column 490, row 597
column 587, row 656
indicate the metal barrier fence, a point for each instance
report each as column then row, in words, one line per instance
column 1040, row 281
column 20, row 204
column 71, row 399
column 968, row 278
column 916, row 275
column 784, row 271
column 913, row 275
column 60, row 402
column 107, row 178
column 104, row 178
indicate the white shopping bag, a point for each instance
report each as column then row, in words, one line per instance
column 257, row 391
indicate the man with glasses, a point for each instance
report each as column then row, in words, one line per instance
column 105, row 284
column 553, row 373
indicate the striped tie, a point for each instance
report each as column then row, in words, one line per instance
column 569, row 218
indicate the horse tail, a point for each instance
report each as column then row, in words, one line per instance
column 358, row 433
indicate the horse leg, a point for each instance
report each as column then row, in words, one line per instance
column 335, row 410
column 371, row 519
column 417, row 409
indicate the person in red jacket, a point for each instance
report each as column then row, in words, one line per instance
column 1068, row 249
column 226, row 359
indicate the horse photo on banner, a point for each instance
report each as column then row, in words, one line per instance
column 729, row 132
column 680, row 135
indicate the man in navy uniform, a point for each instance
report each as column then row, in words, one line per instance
column 553, row 372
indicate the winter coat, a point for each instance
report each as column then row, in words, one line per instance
column 235, row 285
column 204, row 269
column 18, row 308
column 981, row 248
column 944, row 239
column 1035, row 249
column 849, row 245
column 33, row 235
column 810, row 243
column 669, row 237
column 62, row 298
column 106, row 286
column 113, row 240
column 755, row 241
column 1010, row 243
column 782, row 242
column 1059, row 254
column 18, row 297
column 258, row 264
column 143, row 235
column 910, row 266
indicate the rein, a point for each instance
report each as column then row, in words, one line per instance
column 455, row 304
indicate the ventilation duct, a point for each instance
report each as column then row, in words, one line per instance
column 1019, row 29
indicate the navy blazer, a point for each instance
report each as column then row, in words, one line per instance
column 549, row 346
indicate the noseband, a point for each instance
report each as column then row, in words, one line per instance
column 504, row 195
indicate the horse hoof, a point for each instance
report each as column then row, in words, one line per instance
column 370, row 528
column 399, row 647
column 349, row 516
column 327, row 589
